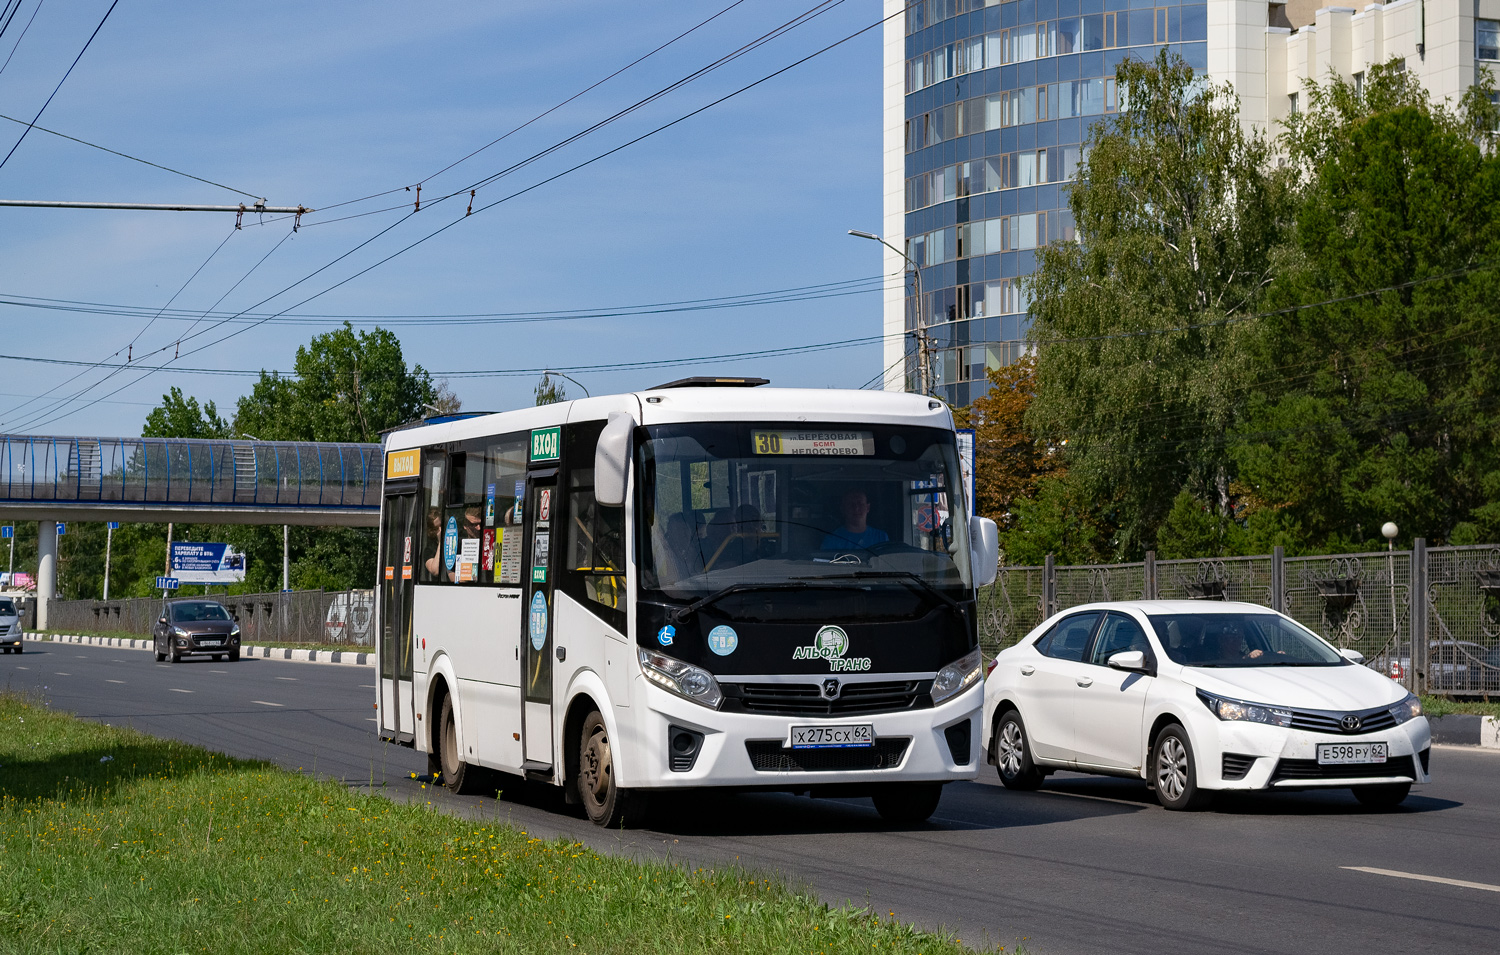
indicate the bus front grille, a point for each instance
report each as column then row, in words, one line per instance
column 770, row 756
column 807, row 699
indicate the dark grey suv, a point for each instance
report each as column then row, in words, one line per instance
column 196, row 627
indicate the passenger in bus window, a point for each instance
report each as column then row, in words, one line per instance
column 856, row 532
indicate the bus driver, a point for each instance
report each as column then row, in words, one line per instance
column 856, row 531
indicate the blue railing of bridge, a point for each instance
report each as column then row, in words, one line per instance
column 190, row 471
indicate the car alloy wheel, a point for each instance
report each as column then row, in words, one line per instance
column 1013, row 754
column 1174, row 773
column 1171, row 768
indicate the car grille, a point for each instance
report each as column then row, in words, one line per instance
column 1290, row 769
column 4, row 628
column 806, row 699
column 1328, row 721
column 1237, row 765
column 769, row 756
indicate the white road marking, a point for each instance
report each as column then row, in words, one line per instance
column 371, row 719
column 175, row 690
column 114, row 681
column 366, row 686
column 1483, row 886
column 291, row 678
column 61, row 674
column 23, row 668
column 264, row 703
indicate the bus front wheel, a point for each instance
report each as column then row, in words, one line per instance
column 606, row 803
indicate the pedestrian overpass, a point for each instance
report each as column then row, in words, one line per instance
column 184, row 480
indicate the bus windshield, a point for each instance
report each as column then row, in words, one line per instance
column 776, row 506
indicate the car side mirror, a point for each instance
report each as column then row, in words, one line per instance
column 984, row 543
column 1132, row 660
column 612, row 460
column 1353, row 656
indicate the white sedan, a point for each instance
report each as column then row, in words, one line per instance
column 1196, row 696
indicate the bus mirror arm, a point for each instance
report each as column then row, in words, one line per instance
column 612, row 460
column 984, row 537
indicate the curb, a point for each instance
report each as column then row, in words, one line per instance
column 1466, row 729
column 340, row 657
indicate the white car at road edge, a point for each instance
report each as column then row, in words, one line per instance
column 1196, row 697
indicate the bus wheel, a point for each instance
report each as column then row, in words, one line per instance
column 457, row 774
column 907, row 803
column 606, row 804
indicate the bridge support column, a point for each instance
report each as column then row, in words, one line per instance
column 46, row 570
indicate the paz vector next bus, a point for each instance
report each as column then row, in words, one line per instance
column 704, row 584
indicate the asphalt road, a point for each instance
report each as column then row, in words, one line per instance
column 1085, row 865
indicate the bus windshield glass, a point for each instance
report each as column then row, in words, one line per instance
column 777, row 506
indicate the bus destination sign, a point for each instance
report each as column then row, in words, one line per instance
column 813, row 442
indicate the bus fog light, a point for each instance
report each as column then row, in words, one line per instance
column 684, row 679
column 956, row 677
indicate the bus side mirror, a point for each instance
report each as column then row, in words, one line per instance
column 984, row 539
column 612, row 460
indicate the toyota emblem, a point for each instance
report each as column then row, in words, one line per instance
column 830, row 689
column 1350, row 723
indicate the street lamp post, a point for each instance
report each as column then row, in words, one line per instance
column 923, row 352
column 1389, row 531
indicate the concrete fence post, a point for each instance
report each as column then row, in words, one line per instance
column 1278, row 579
column 1150, row 591
column 1049, row 586
column 1419, row 643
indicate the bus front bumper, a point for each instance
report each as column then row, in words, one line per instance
column 683, row 744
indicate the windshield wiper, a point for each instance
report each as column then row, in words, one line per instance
column 905, row 576
column 684, row 612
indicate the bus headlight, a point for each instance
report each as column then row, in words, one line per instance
column 684, row 679
column 956, row 677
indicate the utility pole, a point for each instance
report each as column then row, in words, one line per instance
column 286, row 558
column 924, row 351
column 109, row 541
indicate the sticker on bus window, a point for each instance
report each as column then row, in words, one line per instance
column 544, row 504
column 450, row 544
column 723, row 640
column 546, row 444
column 406, row 552
column 487, row 551
column 390, row 573
column 489, row 506
column 406, row 571
column 510, row 556
column 517, row 509
column 536, row 625
column 540, row 544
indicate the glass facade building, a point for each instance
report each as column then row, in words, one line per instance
column 998, row 97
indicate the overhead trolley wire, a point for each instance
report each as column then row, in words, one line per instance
column 17, row 45
column 60, row 82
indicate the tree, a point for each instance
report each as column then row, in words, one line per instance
column 1139, row 324
column 549, row 390
column 179, row 417
column 1008, row 461
column 349, row 386
column 1383, row 403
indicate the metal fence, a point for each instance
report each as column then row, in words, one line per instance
column 299, row 616
column 1430, row 616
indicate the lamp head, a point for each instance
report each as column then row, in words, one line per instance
column 1389, row 529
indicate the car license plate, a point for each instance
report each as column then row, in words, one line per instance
column 1338, row 754
column 211, row 643
column 833, row 737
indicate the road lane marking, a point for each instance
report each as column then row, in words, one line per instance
column 371, row 719
column 23, row 668
column 1483, row 886
column 366, row 686
column 175, row 690
column 292, row 678
column 61, row 674
column 114, row 681
column 218, row 671
column 264, row 703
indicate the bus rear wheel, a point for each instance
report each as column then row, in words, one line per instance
column 605, row 802
column 907, row 803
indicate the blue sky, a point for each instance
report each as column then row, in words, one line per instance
column 317, row 104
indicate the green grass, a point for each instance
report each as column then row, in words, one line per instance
column 113, row 841
column 1442, row 706
column 126, row 635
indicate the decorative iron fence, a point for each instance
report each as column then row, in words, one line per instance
column 298, row 616
column 1428, row 616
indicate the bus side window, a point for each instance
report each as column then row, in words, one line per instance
column 594, row 562
column 504, row 489
column 430, row 554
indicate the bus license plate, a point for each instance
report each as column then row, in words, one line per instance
column 833, row 737
column 1339, row 754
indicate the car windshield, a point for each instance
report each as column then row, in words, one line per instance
column 194, row 612
column 774, row 507
column 1240, row 640
column 7, row 608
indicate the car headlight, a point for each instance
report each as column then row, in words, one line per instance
column 684, row 679
column 956, row 677
column 179, row 632
column 1408, row 709
column 1238, row 710
column 235, row 632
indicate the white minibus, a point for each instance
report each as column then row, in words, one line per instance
column 705, row 584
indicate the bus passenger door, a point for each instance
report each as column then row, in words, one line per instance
column 397, row 558
column 542, row 507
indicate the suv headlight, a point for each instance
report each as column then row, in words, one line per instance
column 684, row 679
column 179, row 632
column 1226, row 709
column 956, row 677
column 1408, row 709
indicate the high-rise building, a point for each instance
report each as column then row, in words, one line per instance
column 988, row 104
